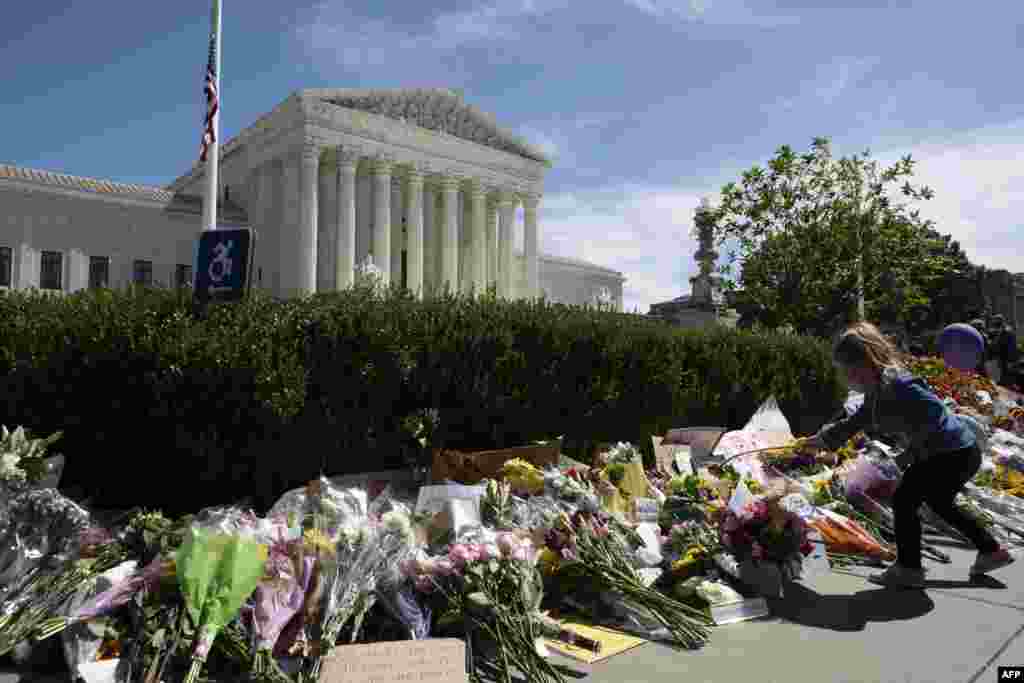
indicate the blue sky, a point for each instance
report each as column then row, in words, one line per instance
column 646, row 105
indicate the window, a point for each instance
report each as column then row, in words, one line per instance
column 182, row 276
column 99, row 272
column 51, row 270
column 142, row 273
column 6, row 266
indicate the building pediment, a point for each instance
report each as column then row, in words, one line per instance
column 434, row 109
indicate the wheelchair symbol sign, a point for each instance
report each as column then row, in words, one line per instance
column 223, row 261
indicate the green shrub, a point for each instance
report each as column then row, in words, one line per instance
column 164, row 408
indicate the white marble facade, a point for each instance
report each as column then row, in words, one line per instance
column 427, row 185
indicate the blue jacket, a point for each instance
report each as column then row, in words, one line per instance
column 904, row 404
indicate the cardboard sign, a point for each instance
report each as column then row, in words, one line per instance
column 474, row 467
column 438, row 660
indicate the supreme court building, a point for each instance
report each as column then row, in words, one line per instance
column 427, row 186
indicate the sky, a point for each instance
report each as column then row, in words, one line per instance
column 645, row 106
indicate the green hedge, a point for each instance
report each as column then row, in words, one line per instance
column 165, row 408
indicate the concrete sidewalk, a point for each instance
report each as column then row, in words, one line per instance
column 838, row 627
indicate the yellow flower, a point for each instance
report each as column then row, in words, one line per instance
column 548, row 561
column 317, row 541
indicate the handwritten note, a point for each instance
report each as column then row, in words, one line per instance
column 439, row 660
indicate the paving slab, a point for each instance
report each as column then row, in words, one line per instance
column 1004, row 587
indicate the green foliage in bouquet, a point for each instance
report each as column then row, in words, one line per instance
column 22, row 459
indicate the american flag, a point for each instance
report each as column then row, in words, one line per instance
column 212, row 102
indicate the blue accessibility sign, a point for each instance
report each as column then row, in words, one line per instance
column 224, row 264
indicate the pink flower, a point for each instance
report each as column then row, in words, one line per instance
column 756, row 511
column 569, row 554
column 732, row 523
column 444, row 567
column 409, row 567
column 507, row 543
column 424, row 583
column 489, row 551
column 757, row 552
column 462, row 554
column 806, row 548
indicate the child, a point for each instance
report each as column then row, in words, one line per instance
column 942, row 454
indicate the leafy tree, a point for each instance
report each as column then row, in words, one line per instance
column 799, row 229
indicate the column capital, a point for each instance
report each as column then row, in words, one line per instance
column 507, row 198
column 450, row 182
column 348, row 157
column 530, row 200
column 310, row 150
column 382, row 164
column 415, row 174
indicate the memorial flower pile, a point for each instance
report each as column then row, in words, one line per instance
column 269, row 598
column 764, row 531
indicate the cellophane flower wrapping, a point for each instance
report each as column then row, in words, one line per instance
column 280, row 595
column 38, row 545
column 83, row 637
column 493, row 583
column 368, row 550
column 758, row 528
column 216, row 573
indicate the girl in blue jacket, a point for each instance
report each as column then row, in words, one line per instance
column 942, row 453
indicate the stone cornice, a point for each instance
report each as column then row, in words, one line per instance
column 174, row 203
column 435, row 109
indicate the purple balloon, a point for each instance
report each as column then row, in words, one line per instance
column 961, row 346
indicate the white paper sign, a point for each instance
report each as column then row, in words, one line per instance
column 681, row 456
column 434, row 499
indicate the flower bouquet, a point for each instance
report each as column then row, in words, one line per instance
column 794, row 461
column 495, row 589
column 597, row 557
column 368, row 552
column 278, row 598
column 38, row 568
column 216, row 573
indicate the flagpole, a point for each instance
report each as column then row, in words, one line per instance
column 213, row 154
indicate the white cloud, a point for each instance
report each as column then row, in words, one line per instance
column 644, row 231
column 331, row 29
column 979, row 190
column 715, row 12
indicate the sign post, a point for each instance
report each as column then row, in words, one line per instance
column 223, row 268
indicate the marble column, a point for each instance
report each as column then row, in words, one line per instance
column 531, row 238
column 397, row 239
column 414, row 259
column 429, row 239
column 381, row 248
column 327, row 225
column 492, row 243
column 478, row 241
column 507, row 219
column 450, row 234
column 309, row 168
column 345, row 244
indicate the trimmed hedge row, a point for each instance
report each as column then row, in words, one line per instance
column 164, row 408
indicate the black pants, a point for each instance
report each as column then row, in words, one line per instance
column 936, row 481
